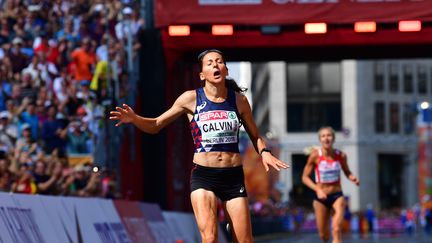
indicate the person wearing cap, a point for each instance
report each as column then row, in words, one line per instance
column 8, row 132
column 128, row 24
column 121, row 26
column 19, row 59
column 216, row 112
column 26, row 143
column 85, row 93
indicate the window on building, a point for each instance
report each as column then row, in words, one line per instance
column 394, row 118
column 379, row 117
column 408, row 78
column 422, row 79
column 309, row 117
column 313, row 96
column 394, row 78
column 297, row 78
column 390, row 177
column 379, row 77
column 408, row 118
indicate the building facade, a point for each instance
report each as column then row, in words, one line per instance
column 372, row 106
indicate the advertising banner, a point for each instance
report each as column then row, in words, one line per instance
column 92, row 224
column 183, row 226
column 50, row 227
column 63, row 218
column 134, row 221
column 285, row 12
column 10, row 223
column 156, row 222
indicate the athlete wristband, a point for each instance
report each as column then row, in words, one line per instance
column 265, row 150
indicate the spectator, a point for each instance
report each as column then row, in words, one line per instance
column 102, row 74
column 60, row 86
column 38, row 59
column 16, row 95
column 40, row 176
column 5, row 32
column 8, row 132
column 370, row 216
column 108, row 182
column 68, row 32
column 25, row 181
column 26, row 146
column 41, row 44
column 29, row 117
column 6, row 175
column 129, row 25
column 20, row 60
column 53, row 132
column 84, row 94
column 77, row 181
column 47, row 70
column 31, row 74
column 5, row 92
column 94, row 185
column 78, row 136
column 47, row 184
column 102, row 49
column 84, row 61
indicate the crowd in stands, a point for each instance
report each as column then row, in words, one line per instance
column 60, row 61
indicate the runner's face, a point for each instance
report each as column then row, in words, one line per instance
column 326, row 138
column 213, row 68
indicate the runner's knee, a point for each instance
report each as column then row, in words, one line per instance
column 336, row 229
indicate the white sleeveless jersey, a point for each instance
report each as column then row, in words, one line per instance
column 328, row 171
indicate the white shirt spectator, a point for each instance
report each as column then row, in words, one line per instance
column 122, row 28
column 46, row 69
column 102, row 53
column 59, row 87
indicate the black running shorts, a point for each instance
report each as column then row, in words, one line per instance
column 226, row 183
column 330, row 200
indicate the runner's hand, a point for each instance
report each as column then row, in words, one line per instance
column 321, row 194
column 269, row 159
column 123, row 114
column 354, row 179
